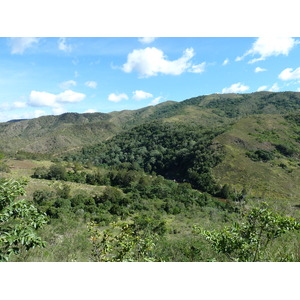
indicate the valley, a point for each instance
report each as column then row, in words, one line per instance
column 145, row 178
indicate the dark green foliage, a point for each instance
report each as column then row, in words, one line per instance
column 286, row 150
column 57, row 172
column 150, row 223
column 41, row 197
column 260, row 155
column 184, row 153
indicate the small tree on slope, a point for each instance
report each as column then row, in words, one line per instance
column 249, row 240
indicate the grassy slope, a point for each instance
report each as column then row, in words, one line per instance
column 23, row 169
column 262, row 179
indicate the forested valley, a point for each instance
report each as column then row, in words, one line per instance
column 212, row 178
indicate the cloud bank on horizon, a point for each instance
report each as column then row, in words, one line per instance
column 42, row 76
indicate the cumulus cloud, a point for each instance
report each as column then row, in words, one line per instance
column 262, row 88
column 155, row 101
column 67, row 84
column 235, row 88
column 69, row 97
column 289, row 74
column 198, row 68
column 269, row 46
column 117, row 97
column 19, row 45
column 151, row 61
column 63, row 46
column 41, row 99
column 147, row 40
column 141, row 95
column 225, row 62
column 91, row 84
column 258, row 69
column 274, row 88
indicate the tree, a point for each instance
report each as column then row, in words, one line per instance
column 57, row 172
column 250, row 239
column 122, row 242
column 18, row 220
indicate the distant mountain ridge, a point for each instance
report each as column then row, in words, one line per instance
column 55, row 134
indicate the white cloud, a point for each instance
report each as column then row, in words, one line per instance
column 63, row 46
column 140, row 95
column 274, row 88
column 67, row 84
column 198, row 68
column 155, row 101
column 258, row 69
column 117, row 98
column 70, row 97
column 91, row 84
column 90, row 111
column 235, row 88
column 225, row 62
column 289, row 74
column 151, row 61
column 147, row 40
column 269, row 46
column 19, row 45
column 41, row 99
column 262, row 88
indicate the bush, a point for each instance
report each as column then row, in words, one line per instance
column 260, row 155
column 40, row 173
column 57, row 172
column 18, row 221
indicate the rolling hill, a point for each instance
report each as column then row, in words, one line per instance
column 56, row 134
column 202, row 160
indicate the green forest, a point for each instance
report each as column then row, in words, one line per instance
column 212, row 178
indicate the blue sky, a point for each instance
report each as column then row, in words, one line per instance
column 44, row 76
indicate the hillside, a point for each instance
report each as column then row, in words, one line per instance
column 263, row 155
column 243, row 131
column 57, row 134
column 157, row 174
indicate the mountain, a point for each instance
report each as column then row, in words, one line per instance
column 204, row 160
column 57, row 134
column 249, row 141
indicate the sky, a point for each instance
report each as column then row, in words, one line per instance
column 54, row 75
